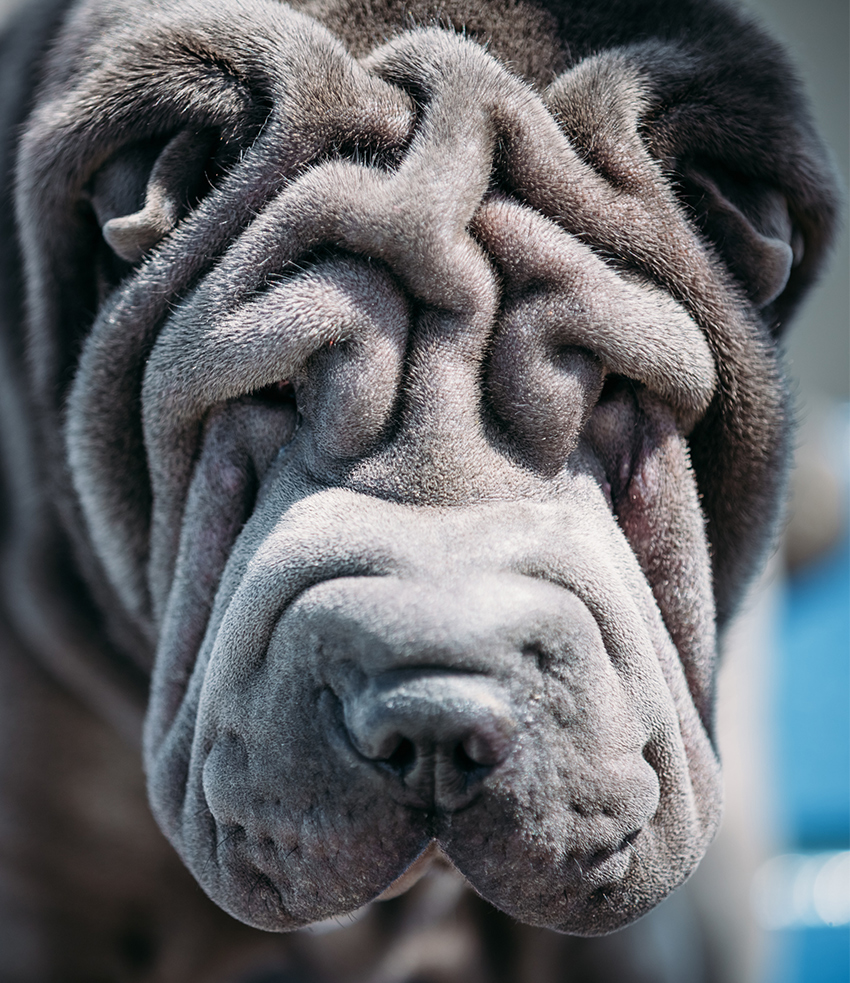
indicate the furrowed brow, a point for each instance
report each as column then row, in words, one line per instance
column 561, row 289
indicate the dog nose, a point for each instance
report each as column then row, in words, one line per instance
column 436, row 735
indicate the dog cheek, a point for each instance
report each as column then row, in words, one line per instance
column 661, row 515
column 240, row 442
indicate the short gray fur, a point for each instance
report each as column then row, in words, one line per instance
column 393, row 417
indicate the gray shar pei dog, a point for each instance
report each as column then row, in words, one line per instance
column 391, row 419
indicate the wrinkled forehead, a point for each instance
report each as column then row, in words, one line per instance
column 445, row 224
column 477, row 192
column 501, row 211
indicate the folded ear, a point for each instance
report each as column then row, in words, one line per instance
column 143, row 190
column 749, row 223
column 729, row 122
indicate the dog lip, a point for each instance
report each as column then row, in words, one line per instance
column 607, row 864
column 432, row 856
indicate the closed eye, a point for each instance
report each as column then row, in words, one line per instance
column 278, row 393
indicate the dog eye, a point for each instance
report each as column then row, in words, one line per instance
column 613, row 386
column 277, row 394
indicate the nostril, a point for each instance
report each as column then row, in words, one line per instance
column 485, row 747
column 403, row 757
column 466, row 763
column 539, row 655
column 440, row 734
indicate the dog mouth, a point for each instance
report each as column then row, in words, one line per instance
column 564, row 800
column 517, row 723
column 602, row 867
column 431, row 859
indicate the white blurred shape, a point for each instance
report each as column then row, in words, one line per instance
column 832, row 890
column 797, row 890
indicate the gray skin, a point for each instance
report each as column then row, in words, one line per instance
column 410, row 416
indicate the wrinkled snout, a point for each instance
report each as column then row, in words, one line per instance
column 494, row 689
column 444, row 687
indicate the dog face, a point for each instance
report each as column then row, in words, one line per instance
column 420, row 434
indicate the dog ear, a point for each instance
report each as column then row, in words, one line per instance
column 750, row 226
column 727, row 125
column 143, row 190
column 731, row 125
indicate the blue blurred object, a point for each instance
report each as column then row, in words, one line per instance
column 813, row 705
column 813, row 750
column 813, row 955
